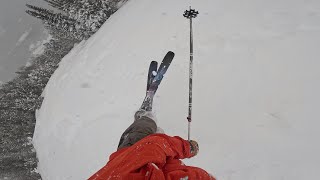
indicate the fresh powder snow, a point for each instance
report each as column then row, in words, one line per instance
column 256, row 88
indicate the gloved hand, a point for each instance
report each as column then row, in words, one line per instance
column 194, row 147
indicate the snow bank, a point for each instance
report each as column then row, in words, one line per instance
column 256, row 84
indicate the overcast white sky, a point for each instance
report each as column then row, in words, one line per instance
column 18, row 31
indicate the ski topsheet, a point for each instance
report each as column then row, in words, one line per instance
column 161, row 71
column 152, row 72
column 155, row 78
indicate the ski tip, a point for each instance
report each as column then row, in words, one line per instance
column 153, row 65
column 170, row 53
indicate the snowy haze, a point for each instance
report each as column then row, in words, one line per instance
column 256, row 88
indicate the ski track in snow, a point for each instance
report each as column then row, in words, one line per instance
column 256, row 84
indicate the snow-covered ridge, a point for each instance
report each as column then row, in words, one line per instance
column 256, row 84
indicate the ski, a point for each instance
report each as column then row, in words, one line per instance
column 152, row 72
column 156, row 80
column 161, row 71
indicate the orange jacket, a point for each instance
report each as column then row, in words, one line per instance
column 155, row 157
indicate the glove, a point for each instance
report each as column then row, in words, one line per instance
column 194, row 147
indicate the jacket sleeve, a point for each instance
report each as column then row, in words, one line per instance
column 175, row 147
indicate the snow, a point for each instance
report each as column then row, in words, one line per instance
column 38, row 47
column 154, row 73
column 24, row 36
column 2, row 31
column 255, row 96
column 15, row 24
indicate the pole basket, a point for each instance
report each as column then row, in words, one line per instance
column 190, row 14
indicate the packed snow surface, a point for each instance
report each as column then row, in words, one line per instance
column 256, row 88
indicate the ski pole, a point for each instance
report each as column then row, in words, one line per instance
column 189, row 15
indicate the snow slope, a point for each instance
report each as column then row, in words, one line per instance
column 256, row 84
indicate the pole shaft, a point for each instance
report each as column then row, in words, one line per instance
column 190, row 14
column 189, row 124
column 190, row 79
